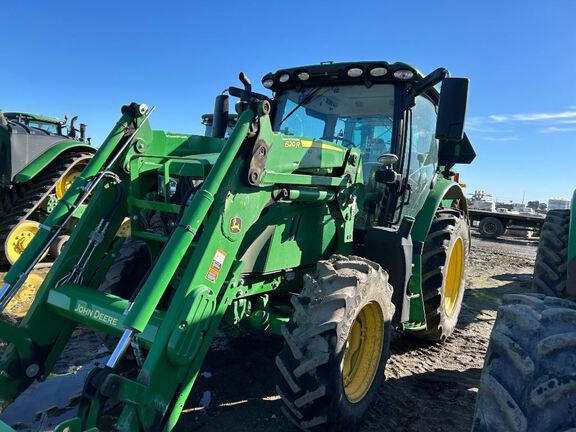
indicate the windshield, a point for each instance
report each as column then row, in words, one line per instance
column 48, row 127
column 348, row 115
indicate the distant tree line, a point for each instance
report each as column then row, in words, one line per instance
column 535, row 205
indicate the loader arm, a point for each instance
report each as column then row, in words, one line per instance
column 199, row 266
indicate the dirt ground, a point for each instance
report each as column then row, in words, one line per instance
column 428, row 387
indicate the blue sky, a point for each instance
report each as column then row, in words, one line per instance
column 89, row 58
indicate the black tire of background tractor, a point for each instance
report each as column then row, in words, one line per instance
column 124, row 276
column 529, row 380
column 17, row 202
column 550, row 270
column 311, row 362
column 448, row 226
column 57, row 246
column 491, row 227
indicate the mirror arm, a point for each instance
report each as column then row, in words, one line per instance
column 429, row 81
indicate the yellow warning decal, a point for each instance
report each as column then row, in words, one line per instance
column 216, row 265
column 308, row 144
column 297, row 143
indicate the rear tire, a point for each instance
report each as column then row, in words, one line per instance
column 551, row 268
column 529, row 379
column 330, row 377
column 491, row 227
column 444, row 262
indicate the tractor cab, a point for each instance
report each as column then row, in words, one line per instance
column 50, row 125
column 390, row 112
column 208, row 120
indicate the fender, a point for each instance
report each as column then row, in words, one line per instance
column 36, row 166
column 443, row 192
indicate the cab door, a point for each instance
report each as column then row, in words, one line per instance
column 421, row 159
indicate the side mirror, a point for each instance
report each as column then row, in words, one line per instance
column 452, row 109
column 388, row 159
column 387, row 175
column 220, row 119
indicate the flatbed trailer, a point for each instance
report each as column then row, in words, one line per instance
column 494, row 224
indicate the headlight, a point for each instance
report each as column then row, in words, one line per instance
column 355, row 72
column 403, row 74
column 303, row 76
column 378, row 71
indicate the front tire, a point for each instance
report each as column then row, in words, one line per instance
column 444, row 262
column 124, row 277
column 337, row 345
column 529, row 379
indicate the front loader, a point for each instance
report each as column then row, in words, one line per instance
column 39, row 158
column 528, row 383
column 329, row 216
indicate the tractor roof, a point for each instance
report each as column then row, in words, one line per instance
column 367, row 72
column 14, row 115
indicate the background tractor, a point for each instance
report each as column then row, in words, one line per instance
column 529, row 377
column 39, row 158
column 328, row 217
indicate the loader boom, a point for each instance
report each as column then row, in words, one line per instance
column 205, row 288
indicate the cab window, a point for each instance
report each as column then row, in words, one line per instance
column 421, row 154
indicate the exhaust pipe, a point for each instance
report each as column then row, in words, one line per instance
column 220, row 119
column 72, row 130
column 82, row 132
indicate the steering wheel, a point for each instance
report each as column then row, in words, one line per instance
column 345, row 141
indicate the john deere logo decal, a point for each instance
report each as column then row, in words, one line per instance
column 235, row 225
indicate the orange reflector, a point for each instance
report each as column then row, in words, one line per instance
column 462, row 185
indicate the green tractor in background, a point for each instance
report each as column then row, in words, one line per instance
column 329, row 217
column 39, row 159
column 529, row 379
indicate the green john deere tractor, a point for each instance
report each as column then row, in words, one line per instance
column 329, row 216
column 529, row 379
column 39, row 158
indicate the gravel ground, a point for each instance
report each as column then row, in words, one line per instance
column 428, row 387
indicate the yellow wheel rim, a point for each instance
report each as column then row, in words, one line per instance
column 67, row 179
column 125, row 228
column 363, row 352
column 19, row 305
column 19, row 238
column 454, row 275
